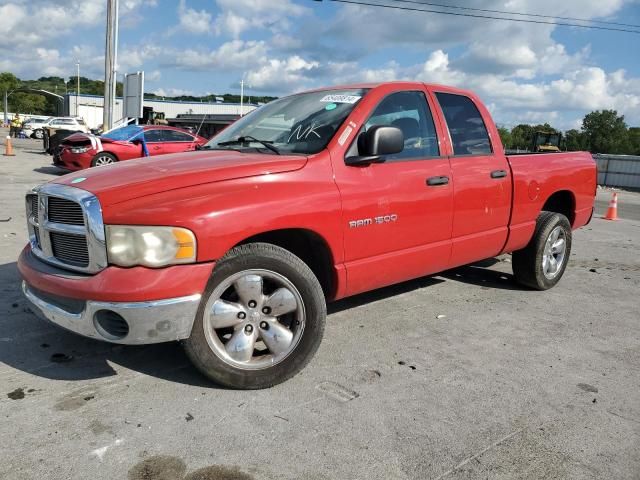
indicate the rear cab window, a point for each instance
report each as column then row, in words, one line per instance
column 468, row 132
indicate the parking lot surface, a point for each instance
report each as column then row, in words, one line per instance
column 459, row 375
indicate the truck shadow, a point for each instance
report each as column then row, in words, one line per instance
column 31, row 345
column 477, row 273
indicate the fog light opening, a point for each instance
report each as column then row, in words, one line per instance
column 110, row 325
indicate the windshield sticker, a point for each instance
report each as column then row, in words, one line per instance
column 303, row 134
column 345, row 135
column 340, row 98
column 331, row 106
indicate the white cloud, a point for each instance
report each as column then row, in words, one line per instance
column 234, row 55
column 172, row 92
column 282, row 75
column 197, row 22
column 238, row 16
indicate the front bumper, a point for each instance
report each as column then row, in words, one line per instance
column 144, row 305
column 154, row 321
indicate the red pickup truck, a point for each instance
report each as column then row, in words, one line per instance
column 235, row 249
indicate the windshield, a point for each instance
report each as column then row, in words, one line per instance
column 302, row 123
column 124, row 133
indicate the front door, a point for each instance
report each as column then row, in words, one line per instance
column 396, row 214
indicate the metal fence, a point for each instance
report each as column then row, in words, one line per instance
column 618, row 170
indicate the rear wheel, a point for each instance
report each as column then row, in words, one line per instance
column 541, row 264
column 103, row 158
column 261, row 318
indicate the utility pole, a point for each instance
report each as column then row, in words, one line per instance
column 241, row 96
column 110, row 59
column 78, row 85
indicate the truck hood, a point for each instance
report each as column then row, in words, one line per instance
column 131, row 179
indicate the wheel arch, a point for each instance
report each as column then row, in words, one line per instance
column 310, row 247
column 563, row 202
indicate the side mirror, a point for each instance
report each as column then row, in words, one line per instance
column 137, row 141
column 375, row 143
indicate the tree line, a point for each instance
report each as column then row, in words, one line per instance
column 602, row 131
column 37, row 104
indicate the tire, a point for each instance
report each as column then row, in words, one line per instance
column 530, row 267
column 103, row 158
column 39, row 134
column 285, row 282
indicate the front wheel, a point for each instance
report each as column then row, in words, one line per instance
column 541, row 264
column 39, row 134
column 102, row 158
column 261, row 318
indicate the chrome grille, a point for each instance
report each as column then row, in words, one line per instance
column 32, row 216
column 71, row 249
column 61, row 210
column 66, row 228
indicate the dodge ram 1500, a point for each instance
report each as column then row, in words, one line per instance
column 235, row 249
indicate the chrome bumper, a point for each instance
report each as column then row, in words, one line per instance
column 148, row 322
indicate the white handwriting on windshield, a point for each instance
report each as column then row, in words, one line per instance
column 299, row 133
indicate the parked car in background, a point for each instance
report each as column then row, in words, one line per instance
column 80, row 151
column 33, row 124
column 71, row 124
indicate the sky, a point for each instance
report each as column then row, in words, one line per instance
column 525, row 73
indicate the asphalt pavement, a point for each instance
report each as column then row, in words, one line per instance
column 455, row 376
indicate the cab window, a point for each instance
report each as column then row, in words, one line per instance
column 468, row 132
column 409, row 112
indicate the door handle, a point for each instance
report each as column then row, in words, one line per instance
column 433, row 181
column 498, row 174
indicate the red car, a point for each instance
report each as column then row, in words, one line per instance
column 79, row 151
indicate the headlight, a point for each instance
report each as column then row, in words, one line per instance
column 79, row 149
column 149, row 246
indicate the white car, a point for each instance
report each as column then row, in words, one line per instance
column 32, row 124
column 72, row 124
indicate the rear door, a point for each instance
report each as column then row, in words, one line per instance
column 481, row 179
column 396, row 214
column 176, row 142
column 163, row 141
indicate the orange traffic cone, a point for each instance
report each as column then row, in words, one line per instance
column 8, row 148
column 612, row 211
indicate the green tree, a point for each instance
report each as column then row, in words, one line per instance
column 634, row 141
column 575, row 140
column 30, row 103
column 606, row 132
column 521, row 136
column 8, row 81
column 505, row 136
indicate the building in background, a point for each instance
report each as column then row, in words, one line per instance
column 209, row 117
